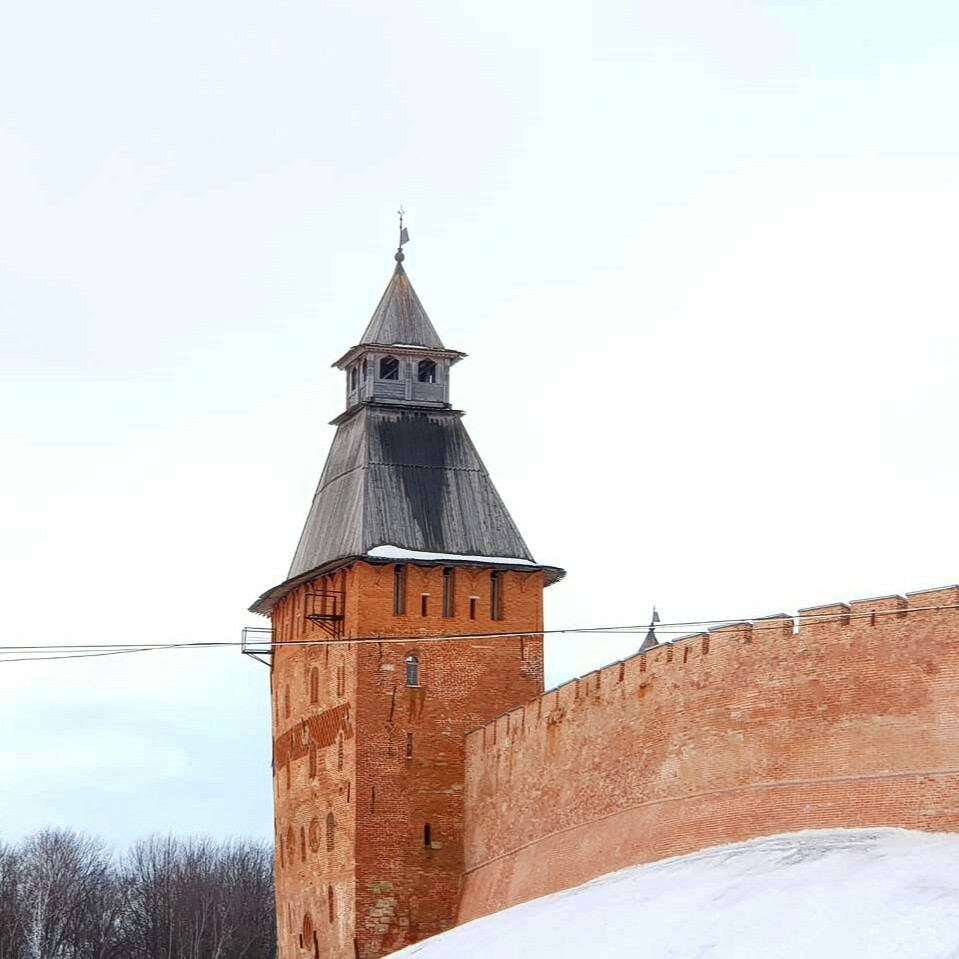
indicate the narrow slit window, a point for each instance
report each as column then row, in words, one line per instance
column 496, row 595
column 426, row 371
column 424, row 604
column 389, row 368
column 314, row 685
column 409, row 745
column 412, row 670
column 354, row 378
column 449, row 586
column 399, row 590
column 330, row 827
column 427, row 835
column 472, row 607
column 329, row 901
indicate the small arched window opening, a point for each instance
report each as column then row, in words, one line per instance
column 307, row 929
column 330, row 824
column 426, row 371
column 354, row 377
column 389, row 368
column 314, row 685
column 427, row 835
column 412, row 670
column 315, row 835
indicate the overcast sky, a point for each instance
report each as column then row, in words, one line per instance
column 701, row 254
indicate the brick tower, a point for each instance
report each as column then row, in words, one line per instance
column 407, row 562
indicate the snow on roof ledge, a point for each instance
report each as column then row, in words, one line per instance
column 413, row 555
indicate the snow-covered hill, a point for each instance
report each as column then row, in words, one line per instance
column 837, row 894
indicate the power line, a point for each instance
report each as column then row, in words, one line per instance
column 39, row 653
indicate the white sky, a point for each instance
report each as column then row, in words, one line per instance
column 701, row 254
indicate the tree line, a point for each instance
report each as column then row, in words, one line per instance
column 67, row 896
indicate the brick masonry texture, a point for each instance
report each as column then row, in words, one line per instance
column 748, row 730
column 355, row 743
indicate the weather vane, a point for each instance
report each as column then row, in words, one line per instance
column 404, row 233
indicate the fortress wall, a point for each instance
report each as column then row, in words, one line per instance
column 847, row 716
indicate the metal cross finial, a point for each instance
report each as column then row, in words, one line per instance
column 401, row 213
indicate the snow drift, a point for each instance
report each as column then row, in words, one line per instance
column 871, row 893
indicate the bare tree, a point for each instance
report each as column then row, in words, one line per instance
column 68, row 899
column 11, row 930
column 195, row 899
column 64, row 896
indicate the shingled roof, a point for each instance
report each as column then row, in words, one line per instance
column 400, row 317
column 405, row 478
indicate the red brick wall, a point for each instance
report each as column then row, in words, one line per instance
column 741, row 732
column 390, row 889
column 308, row 789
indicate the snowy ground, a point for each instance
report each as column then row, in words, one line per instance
column 854, row 894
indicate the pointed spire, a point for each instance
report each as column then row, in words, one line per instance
column 399, row 319
column 651, row 642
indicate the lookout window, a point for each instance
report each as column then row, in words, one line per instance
column 426, row 371
column 399, row 590
column 495, row 595
column 412, row 671
column 427, row 835
column 449, row 583
column 354, row 378
column 389, row 368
